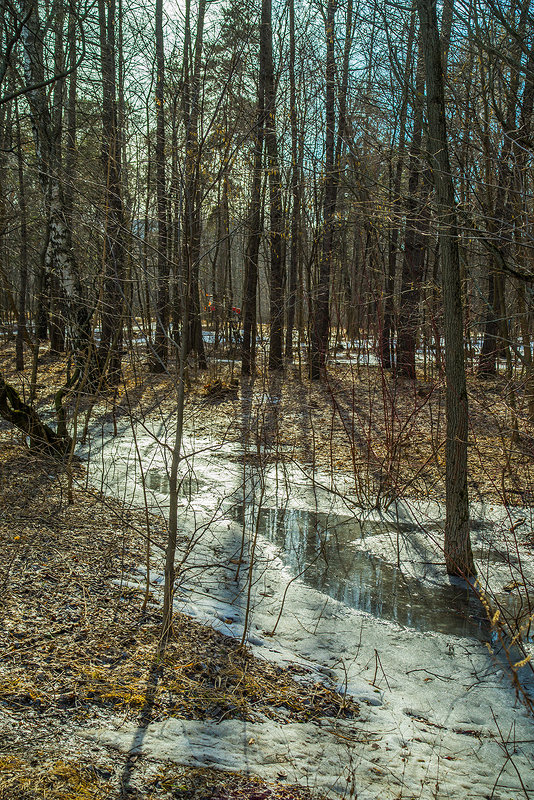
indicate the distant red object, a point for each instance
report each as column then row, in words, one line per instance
column 236, row 310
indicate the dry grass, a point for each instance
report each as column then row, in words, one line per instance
column 66, row 779
column 21, row 779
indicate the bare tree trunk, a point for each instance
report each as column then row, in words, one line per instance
column 413, row 261
column 521, row 156
column 24, row 417
column 172, row 537
column 248, row 355
column 275, row 196
column 59, row 258
column 192, row 228
column 501, row 220
column 295, row 192
column 222, row 301
column 321, row 315
column 176, row 235
column 70, row 148
column 57, row 300
column 23, row 285
column 162, row 303
column 113, row 257
column 387, row 329
column 457, row 546
column 417, row 221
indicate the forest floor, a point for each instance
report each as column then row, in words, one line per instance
column 78, row 650
column 388, row 433
column 77, row 647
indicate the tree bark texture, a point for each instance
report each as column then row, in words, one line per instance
column 248, row 353
column 457, row 545
column 162, row 302
column 275, row 197
column 59, row 258
column 24, row 417
column 192, row 226
column 294, row 249
column 321, row 314
column 415, row 247
column 113, row 256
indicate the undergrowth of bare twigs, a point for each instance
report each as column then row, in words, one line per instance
column 76, row 645
column 75, row 642
column 74, row 633
column 388, row 433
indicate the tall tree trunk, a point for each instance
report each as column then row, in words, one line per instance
column 413, row 261
column 23, row 285
column 457, row 545
column 70, row 138
column 248, row 355
column 162, row 303
column 275, row 196
column 57, row 300
column 417, row 221
column 222, row 300
column 521, row 217
column 321, row 314
column 501, row 222
column 386, row 331
column 192, row 228
column 176, row 235
column 113, row 257
column 295, row 192
column 59, row 258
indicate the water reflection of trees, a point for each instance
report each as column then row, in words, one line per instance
column 322, row 549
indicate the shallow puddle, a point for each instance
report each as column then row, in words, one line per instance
column 157, row 480
column 320, row 549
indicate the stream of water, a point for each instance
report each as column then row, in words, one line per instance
column 329, row 552
column 325, row 551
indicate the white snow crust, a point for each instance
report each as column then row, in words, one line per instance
column 439, row 716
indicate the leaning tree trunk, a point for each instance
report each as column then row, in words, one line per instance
column 457, row 546
column 42, row 438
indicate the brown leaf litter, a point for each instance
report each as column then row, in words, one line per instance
column 387, row 433
column 66, row 779
column 76, row 646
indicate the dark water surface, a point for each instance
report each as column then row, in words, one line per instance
column 320, row 548
column 323, row 550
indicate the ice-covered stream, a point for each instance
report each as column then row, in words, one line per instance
column 439, row 718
